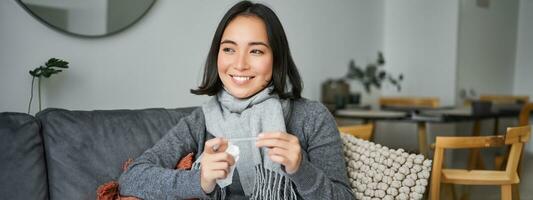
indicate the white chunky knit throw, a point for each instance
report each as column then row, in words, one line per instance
column 377, row 172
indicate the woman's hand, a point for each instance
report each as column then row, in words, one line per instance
column 215, row 163
column 284, row 149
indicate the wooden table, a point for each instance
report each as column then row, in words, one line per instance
column 422, row 116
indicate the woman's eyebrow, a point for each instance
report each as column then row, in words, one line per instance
column 228, row 41
column 258, row 43
column 250, row 43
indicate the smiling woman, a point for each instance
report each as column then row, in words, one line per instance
column 88, row 18
column 288, row 145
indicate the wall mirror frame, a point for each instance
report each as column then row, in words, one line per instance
column 90, row 19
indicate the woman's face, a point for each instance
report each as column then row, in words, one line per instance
column 245, row 58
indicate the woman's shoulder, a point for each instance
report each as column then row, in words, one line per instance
column 195, row 118
column 308, row 107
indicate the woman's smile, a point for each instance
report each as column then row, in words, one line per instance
column 240, row 79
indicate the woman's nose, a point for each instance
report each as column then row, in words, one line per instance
column 241, row 63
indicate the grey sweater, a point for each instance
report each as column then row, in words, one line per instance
column 322, row 173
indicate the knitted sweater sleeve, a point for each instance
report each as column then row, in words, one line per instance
column 322, row 173
column 152, row 175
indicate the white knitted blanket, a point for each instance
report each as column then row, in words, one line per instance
column 377, row 172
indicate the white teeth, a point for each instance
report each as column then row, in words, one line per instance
column 241, row 78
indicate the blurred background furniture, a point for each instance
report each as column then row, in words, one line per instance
column 413, row 102
column 424, row 110
column 515, row 137
column 427, row 102
column 503, row 100
column 362, row 131
column 501, row 161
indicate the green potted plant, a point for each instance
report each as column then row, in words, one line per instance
column 373, row 75
column 52, row 66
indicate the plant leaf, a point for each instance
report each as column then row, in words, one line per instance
column 382, row 75
column 381, row 59
column 367, row 87
column 371, row 70
column 376, row 83
column 354, row 72
column 54, row 62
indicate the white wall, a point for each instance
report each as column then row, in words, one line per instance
column 487, row 46
column 157, row 61
column 420, row 40
column 523, row 76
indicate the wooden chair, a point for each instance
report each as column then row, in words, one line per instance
column 500, row 161
column 362, row 131
column 429, row 102
column 504, row 99
column 523, row 120
column 515, row 137
column 476, row 161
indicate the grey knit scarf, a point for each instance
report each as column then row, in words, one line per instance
column 230, row 117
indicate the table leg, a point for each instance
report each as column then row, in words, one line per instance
column 496, row 124
column 475, row 161
column 373, row 129
column 422, row 139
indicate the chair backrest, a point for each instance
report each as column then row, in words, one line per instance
column 430, row 102
column 516, row 137
column 523, row 120
column 506, row 99
column 362, row 131
column 524, row 114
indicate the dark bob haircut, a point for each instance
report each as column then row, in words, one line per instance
column 283, row 66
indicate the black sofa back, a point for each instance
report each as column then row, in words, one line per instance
column 84, row 149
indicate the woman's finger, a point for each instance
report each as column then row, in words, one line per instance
column 216, row 174
column 222, row 157
column 279, row 159
column 279, row 151
column 216, row 145
column 291, row 162
column 276, row 135
column 289, row 155
column 219, row 166
column 272, row 143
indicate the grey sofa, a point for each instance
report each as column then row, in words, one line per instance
column 62, row 154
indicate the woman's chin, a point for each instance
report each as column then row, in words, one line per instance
column 242, row 94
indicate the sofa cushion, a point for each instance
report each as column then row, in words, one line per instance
column 85, row 149
column 22, row 164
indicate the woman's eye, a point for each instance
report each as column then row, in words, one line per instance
column 228, row 50
column 257, row 52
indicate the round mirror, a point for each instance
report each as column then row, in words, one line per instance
column 88, row 18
